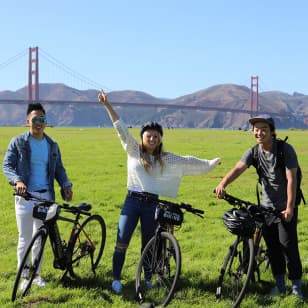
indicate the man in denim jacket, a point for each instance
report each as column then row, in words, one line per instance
column 32, row 162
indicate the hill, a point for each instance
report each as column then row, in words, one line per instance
column 226, row 96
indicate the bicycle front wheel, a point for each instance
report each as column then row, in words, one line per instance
column 236, row 271
column 29, row 265
column 158, row 270
column 87, row 247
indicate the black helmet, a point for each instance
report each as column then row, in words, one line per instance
column 239, row 221
column 151, row 125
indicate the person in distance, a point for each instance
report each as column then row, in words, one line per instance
column 31, row 163
column 278, row 191
column 151, row 172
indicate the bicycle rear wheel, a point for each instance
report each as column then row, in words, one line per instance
column 87, row 247
column 261, row 256
column 29, row 265
column 160, row 263
column 236, row 271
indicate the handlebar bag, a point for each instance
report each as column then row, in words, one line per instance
column 45, row 212
column 168, row 214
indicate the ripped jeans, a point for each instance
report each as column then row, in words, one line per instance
column 133, row 209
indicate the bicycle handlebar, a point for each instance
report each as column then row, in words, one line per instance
column 184, row 206
column 256, row 210
column 236, row 201
column 82, row 208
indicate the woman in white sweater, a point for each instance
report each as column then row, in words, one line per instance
column 151, row 173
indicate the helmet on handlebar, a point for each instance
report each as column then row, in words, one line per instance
column 239, row 222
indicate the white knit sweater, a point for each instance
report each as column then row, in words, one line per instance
column 156, row 181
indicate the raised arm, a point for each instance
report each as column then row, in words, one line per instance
column 102, row 97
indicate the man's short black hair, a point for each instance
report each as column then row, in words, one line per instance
column 35, row 106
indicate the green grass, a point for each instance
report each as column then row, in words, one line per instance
column 96, row 164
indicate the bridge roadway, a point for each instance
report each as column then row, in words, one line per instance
column 169, row 106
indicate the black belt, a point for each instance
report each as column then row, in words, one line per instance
column 41, row 191
column 144, row 196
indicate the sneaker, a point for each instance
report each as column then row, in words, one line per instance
column 25, row 273
column 298, row 293
column 276, row 291
column 23, row 284
column 116, row 286
column 149, row 284
column 39, row 281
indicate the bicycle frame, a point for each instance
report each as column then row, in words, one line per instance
column 60, row 248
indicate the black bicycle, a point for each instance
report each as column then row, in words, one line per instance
column 160, row 262
column 78, row 257
column 248, row 252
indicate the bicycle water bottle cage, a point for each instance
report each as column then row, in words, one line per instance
column 239, row 222
column 45, row 211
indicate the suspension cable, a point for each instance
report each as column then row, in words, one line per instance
column 13, row 59
column 69, row 70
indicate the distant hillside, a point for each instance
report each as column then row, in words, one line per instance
column 227, row 96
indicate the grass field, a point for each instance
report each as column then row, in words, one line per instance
column 96, row 164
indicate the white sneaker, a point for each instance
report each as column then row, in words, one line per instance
column 116, row 286
column 298, row 293
column 39, row 281
column 23, row 284
column 25, row 273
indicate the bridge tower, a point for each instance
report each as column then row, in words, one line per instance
column 254, row 96
column 33, row 75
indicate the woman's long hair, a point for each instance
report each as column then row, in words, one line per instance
column 145, row 158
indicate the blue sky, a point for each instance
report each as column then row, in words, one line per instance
column 166, row 48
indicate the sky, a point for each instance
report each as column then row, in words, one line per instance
column 166, row 48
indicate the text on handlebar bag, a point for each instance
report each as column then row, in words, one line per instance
column 168, row 214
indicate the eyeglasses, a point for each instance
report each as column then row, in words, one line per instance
column 39, row 120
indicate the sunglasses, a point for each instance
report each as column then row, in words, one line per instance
column 39, row 120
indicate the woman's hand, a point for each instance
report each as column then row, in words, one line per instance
column 102, row 97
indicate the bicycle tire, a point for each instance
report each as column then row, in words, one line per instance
column 87, row 246
column 236, row 272
column 164, row 271
column 20, row 290
column 261, row 257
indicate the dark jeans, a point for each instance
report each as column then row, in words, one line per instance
column 134, row 208
column 282, row 243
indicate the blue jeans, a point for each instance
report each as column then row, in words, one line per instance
column 133, row 209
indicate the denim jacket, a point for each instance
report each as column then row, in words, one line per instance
column 16, row 163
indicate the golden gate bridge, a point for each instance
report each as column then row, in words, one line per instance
column 33, row 94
